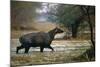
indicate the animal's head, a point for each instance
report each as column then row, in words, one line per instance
column 58, row 30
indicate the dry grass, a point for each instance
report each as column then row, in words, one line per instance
column 40, row 58
column 37, row 58
column 47, row 57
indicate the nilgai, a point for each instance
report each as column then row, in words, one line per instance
column 40, row 39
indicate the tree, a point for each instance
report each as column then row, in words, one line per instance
column 87, row 11
column 69, row 15
column 23, row 13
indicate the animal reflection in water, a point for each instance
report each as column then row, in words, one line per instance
column 40, row 39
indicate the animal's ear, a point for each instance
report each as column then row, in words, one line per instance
column 56, row 29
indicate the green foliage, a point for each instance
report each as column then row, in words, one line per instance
column 71, row 14
column 65, row 14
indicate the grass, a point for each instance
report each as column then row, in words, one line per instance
column 38, row 58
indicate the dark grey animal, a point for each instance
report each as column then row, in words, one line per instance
column 40, row 39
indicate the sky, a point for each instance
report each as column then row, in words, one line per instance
column 42, row 12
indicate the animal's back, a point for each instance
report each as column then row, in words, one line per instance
column 41, row 38
column 27, row 38
column 36, row 38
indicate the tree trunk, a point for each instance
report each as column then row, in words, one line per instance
column 91, row 29
column 75, row 26
column 74, row 30
column 91, row 52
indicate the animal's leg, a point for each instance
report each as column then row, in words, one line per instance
column 26, row 49
column 18, row 48
column 41, row 49
column 51, row 48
